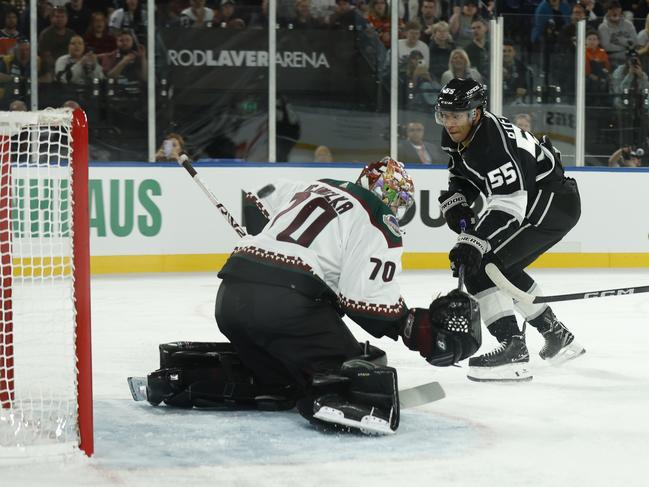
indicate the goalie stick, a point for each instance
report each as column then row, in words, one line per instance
column 408, row 398
column 505, row 285
column 184, row 161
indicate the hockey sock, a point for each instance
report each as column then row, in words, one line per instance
column 504, row 328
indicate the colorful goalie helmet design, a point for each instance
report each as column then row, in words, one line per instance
column 389, row 180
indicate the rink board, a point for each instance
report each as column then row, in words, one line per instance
column 154, row 218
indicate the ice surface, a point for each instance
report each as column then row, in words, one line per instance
column 582, row 424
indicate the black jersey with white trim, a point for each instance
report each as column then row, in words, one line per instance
column 508, row 166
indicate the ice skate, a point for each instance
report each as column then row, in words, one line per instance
column 509, row 362
column 560, row 345
column 370, row 420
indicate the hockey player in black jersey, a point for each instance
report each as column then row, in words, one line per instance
column 530, row 206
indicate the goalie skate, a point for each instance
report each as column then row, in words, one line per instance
column 370, row 420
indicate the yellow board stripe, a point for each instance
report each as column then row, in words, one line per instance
column 124, row 264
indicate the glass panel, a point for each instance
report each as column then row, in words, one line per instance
column 15, row 66
column 539, row 78
column 617, row 97
column 102, row 67
column 212, row 88
column 332, row 87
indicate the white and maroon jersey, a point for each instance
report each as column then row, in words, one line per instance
column 328, row 239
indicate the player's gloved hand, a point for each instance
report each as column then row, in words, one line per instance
column 468, row 252
column 455, row 208
column 547, row 143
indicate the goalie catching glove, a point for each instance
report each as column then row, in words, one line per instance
column 445, row 333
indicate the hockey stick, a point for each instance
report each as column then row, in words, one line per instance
column 184, row 161
column 408, row 398
column 505, row 284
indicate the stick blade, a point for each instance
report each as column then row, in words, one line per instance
column 420, row 395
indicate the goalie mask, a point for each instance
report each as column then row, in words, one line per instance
column 390, row 182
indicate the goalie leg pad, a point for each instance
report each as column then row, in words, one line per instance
column 365, row 397
column 200, row 374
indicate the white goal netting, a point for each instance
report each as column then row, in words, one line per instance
column 38, row 361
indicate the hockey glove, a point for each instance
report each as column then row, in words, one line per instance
column 419, row 334
column 468, row 252
column 455, row 208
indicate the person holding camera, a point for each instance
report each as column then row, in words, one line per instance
column 630, row 82
column 78, row 67
column 127, row 64
column 626, row 157
column 171, row 148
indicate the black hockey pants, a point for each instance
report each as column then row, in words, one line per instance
column 555, row 211
column 283, row 336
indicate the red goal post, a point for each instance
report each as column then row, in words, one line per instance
column 45, row 344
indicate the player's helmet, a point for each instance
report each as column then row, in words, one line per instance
column 389, row 180
column 460, row 95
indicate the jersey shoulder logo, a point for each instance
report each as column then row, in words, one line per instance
column 393, row 224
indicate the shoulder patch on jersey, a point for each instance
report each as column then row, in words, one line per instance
column 393, row 224
column 375, row 208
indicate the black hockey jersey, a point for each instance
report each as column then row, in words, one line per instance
column 509, row 167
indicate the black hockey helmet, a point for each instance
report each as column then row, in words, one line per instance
column 461, row 95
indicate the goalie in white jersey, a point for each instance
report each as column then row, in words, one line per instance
column 331, row 248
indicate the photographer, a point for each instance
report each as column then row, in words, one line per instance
column 127, row 65
column 626, row 157
column 630, row 82
column 77, row 67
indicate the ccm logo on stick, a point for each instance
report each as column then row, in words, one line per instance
column 617, row 292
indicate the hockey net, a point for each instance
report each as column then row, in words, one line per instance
column 45, row 373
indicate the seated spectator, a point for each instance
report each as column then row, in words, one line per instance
column 172, row 146
column 568, row 33
column 78, row 16
column 43, row 14
column 598, row 67
column 630, row 82
column 197, row 15
column 127, row 64
column 302, row 18
column 415, row 149
column 461, row 20
column 17, row 106
column 412, row 43
column 626, row 157
column 18, row 65
column 53, row 42
column 77, row 67
column 98, row 38
column 420, row 87
column 259, row 18
column 642, row 44
column 616, row 34
column 516, row 76
column 132, row 17
column 523, row 121
column 346, row 17
column 378, row 16
column 478, row 49
column 428, row 17
column 228, row 16
column 71, row 104
column 549, row 18
column 459, row 66
column 322, row 153
column 9, row 33
column 594, row 12
column 441, row 45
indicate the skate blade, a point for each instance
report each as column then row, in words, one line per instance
column 369, row 425
column 567, row 353
column 503, row 373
